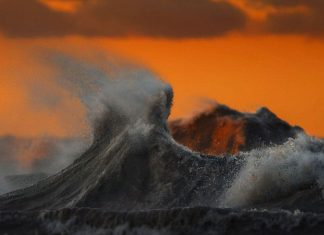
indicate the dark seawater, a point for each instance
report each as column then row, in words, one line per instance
column 135, row 179
column 197, row 220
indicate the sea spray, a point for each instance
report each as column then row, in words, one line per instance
column 113, row 93
column 272, row 173
column 106, row 85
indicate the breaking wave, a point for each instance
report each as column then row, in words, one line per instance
column 134, row 164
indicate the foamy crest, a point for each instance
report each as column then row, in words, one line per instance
column 274, row 172
column 115, row 95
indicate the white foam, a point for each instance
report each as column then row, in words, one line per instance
column 273, row 172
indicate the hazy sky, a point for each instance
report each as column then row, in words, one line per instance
column 243, row 53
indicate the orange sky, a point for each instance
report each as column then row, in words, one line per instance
column 24, row 111
column 284, row 73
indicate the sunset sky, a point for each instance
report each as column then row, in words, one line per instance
column 242, row 53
